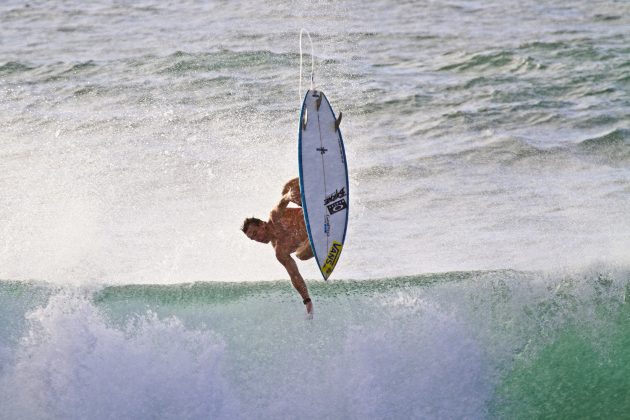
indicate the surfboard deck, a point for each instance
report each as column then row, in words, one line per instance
column 324, row 183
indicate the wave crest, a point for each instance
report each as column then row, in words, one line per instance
column 614, row 145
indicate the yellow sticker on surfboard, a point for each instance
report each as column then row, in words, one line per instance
column 332, row 258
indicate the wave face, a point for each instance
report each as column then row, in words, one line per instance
column 136, row 139
column 501, row 344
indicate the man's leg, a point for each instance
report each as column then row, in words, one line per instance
column 294, row 185
column 304, row 251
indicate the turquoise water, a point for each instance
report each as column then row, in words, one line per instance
column 485, row 273
column 500, row 344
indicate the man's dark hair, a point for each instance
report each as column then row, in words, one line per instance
column 251, row 221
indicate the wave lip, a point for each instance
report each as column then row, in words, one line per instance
column 614, row 145
column 13, row 67
column 495, row 60
column 182, row 62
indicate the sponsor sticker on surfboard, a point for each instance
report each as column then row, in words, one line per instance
column 332, row 257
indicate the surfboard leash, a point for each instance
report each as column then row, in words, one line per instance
column 312, row 64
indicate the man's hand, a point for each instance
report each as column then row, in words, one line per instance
column 296, row 278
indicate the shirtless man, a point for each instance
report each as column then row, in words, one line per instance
column 286, row 231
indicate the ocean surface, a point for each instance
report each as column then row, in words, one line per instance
column 486, row 272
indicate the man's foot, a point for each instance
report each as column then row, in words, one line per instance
column 309, row 310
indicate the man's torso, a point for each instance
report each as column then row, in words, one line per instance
column 290, row 231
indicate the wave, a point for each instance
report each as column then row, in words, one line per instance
column 177, row 63
column 542, row 45
column 225, row 292
column 500, row 151
column 13, row 67
column 49, row 72
column 615, row 138
column 67, row 71
column 504, row 150
column 182, row 62
column 606, row 18
column 71, row 356
column 494, row 61
column 450, row 345
column 609, row 149
column 613, row 146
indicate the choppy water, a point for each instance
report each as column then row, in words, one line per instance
column 135, row 137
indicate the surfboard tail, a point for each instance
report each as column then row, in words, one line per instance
column 331, row 259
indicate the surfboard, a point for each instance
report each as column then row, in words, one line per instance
column 323, row 180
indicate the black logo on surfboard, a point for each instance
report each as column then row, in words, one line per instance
column 336, row 202
column 336, row 195
column 337, row 206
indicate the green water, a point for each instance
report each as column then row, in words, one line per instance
column 494, row 344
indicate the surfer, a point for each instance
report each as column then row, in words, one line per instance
column 286, row 232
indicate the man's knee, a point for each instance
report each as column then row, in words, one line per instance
column 303, row 257
column 304, row 254
column 292, row 184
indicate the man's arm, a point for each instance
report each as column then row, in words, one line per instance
column 296, row 278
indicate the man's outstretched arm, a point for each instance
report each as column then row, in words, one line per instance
column 296, row 278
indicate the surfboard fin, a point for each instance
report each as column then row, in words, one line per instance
column 304, row 119
column 338, row 121
column 318, row 102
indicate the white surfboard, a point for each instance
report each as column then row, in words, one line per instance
column 323, row 180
